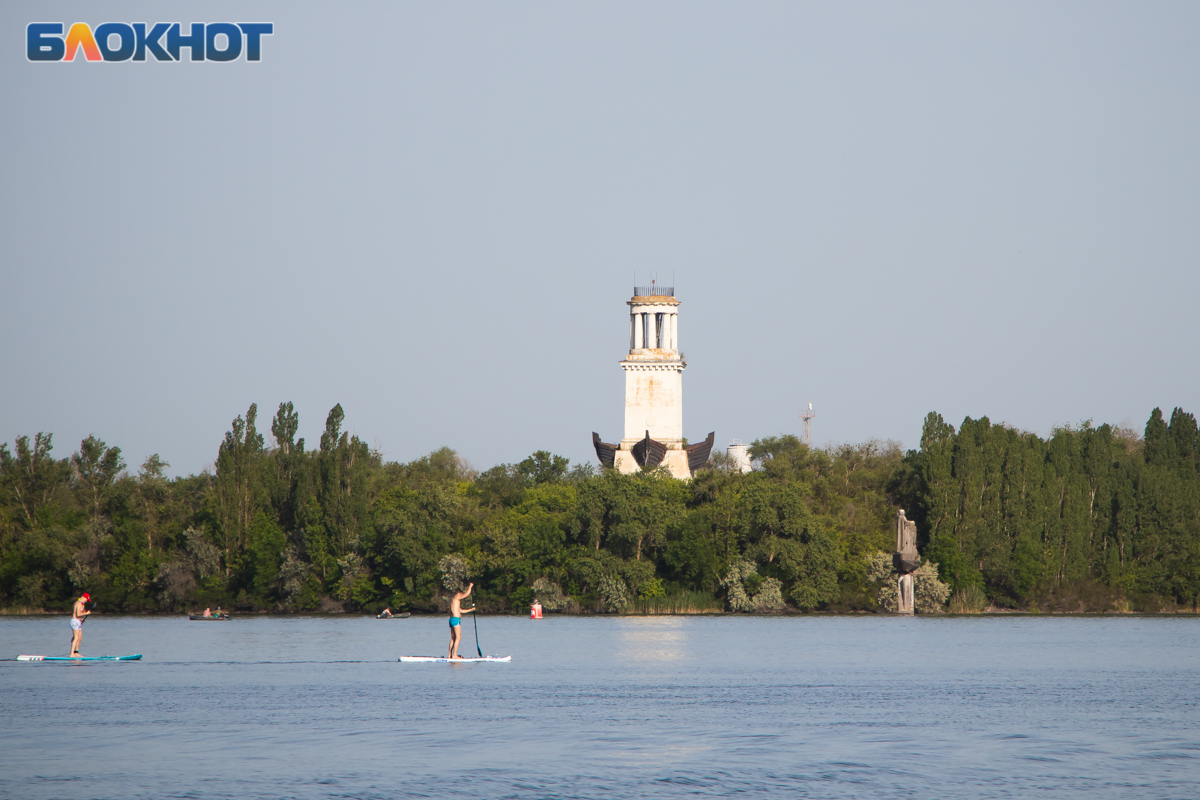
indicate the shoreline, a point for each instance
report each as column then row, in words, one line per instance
column 28, row 612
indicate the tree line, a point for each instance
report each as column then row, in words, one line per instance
column 1092, row 518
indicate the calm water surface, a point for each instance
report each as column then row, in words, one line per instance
column 835, row 707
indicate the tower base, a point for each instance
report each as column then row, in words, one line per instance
column 676, row 462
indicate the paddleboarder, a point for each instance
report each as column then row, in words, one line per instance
column 78, row 614
column 456, row 612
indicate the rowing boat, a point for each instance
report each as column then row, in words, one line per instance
column 138, row 657
column 202, row 618
column 444, row 660
column 404, row 615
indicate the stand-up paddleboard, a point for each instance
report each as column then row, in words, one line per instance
column 138, row 657
column 444, row 660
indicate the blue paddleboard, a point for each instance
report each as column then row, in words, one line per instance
column 80, row 658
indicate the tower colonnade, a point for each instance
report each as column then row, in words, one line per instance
column 652, row 328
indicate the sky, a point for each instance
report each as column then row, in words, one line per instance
column 435, row 213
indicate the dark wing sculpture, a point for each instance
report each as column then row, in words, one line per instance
column 604, row 451
column 698, row 453
column 648, row 452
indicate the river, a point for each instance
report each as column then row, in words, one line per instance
column 601, row 707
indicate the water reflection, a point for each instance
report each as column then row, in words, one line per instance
column 653, row 638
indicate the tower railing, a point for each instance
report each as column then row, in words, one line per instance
column 654, row 291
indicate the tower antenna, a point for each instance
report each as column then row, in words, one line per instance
column 807, row 416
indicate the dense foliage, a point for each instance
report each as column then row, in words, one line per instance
column 1092, row 518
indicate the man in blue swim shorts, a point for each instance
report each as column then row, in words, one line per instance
column 456, row 612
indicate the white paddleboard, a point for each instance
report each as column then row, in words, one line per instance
column 444, row 660
column 80, row 658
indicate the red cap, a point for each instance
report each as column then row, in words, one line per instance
column 86, row 596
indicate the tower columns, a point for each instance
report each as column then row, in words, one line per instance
column 657, row 329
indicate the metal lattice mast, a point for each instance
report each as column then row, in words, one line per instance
column 807, row 417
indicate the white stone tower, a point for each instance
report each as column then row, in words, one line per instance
column 654, row 391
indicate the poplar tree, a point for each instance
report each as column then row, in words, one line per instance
column 344, row 466
column 239, row 483
column 287, row 475
column 153, row 490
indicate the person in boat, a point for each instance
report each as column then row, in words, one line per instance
column 456, row 612
column 387, row 612
column 219, row 613
column 207, row 612
column 78, row 614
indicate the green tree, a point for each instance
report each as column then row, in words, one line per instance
column 153, row 489
column 286, row 478
column 96, row 466
column 543, row 467
column 239, row 483
column 414, row 529
column 639, row 510
column 1159, row 447
column 266, row 553
column 31, row 477
column 344, row 467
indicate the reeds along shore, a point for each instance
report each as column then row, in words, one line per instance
column 1091, row 518
column 682, row 603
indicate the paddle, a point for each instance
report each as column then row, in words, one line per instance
column 475, row 619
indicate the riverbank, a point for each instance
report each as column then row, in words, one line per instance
column 20, row 611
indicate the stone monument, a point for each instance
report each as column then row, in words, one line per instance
column 905, row 560
column 654, row 392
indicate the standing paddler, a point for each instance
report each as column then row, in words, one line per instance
column 78, row 614
column 456, row 612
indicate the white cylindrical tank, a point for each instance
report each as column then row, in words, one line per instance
column 739, row 455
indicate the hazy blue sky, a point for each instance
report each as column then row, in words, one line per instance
column 434, row 213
